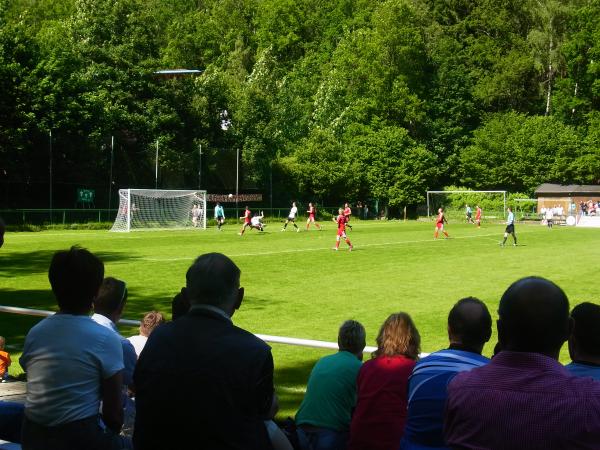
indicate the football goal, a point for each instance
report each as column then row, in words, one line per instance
column 493, row 203
column 146, row 209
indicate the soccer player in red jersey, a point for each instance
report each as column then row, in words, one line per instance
column 247, row 220
column 311, row 217
column 347, row 214
column 341, row 231
column 478, row 216
column 439, row 224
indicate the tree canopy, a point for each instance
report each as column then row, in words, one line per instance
column 326, row 101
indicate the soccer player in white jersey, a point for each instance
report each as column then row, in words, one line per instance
column 256, row 222
column 292, row 218
column 510, row 228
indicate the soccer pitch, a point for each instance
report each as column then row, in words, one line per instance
column 297, row 286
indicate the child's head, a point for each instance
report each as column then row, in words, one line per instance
column 2, row 342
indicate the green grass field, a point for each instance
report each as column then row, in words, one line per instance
column 297, row 286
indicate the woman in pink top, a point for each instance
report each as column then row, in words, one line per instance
column 380, row 415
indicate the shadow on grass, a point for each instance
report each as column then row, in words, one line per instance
column 290, row 384
column 27, row 263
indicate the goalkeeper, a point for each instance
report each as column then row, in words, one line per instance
column 219, row 215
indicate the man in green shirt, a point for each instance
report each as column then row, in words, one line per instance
column 323, row 419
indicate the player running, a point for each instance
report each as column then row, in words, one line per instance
column 219, row 215
column 256, row 222
column 510, row 228
column 347, row 214
column 291, row 218
column 478, row 216
column 341, row 231
column 469, row 214
column 247, row 220
column 312, row 211
column 439, row 224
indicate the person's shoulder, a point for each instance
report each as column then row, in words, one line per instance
column 250, row 340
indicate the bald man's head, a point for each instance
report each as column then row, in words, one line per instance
column 533, row 317
column 470, row 324
column 213, row 279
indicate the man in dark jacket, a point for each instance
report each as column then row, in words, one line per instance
column 201, row 381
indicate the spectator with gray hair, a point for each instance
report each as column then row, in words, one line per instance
column 323, row 418
column 213, row 387
column 584, row 342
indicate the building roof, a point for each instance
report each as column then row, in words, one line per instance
column 569, row 189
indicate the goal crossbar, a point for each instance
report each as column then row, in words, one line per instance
column 465, row 192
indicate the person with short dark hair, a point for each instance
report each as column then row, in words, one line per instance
column 213, row 387
column 324, row 415
column 108, row 310
column 469, row 328
column 149, row 322
column 72, row 365
column 524, row 398
column 584, row 342
column 382, row 386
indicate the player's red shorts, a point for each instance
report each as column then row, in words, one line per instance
column 341, row 232
column 439, row 225
column 311, row 217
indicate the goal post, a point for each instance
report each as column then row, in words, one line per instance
column 458, row 199
column 145, row 209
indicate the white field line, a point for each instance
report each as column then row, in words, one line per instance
column 317, row 249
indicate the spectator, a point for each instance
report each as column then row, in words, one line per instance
column 324, row 415
column 4, row 360
column 201, row 381
column 180, row 305
column 469, row 328
column 584, row 342
column 149, row 322
column 108, row 307
column 72, row 364
column 378, row 421
column 524, row 398
column 2, row 231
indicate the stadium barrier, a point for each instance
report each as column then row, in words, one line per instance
column 265, row 337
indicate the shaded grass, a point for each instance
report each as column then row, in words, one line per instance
column 296, row 286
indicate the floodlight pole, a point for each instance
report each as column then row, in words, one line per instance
column 50, row 174
column 200, row 167
column 112, row 150
column 237, row 180
column 156, row 168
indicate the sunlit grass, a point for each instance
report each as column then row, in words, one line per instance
column 297, row 286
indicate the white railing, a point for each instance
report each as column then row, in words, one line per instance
column 265, row 337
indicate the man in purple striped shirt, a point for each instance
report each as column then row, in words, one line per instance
column 524, row 398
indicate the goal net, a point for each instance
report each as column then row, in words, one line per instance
column 143, row 209
column 492, row 203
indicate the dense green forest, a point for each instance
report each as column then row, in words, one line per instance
column 324, row 100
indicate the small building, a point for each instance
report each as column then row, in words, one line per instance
column 569, row 196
